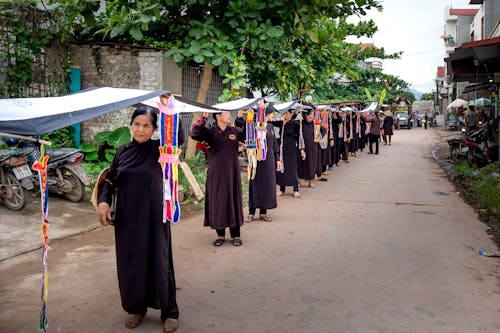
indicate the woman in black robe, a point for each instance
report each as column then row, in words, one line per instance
column 143, row 241
column 308, row 167
column 388, row 124
column 354, row 144
column 337, row 142
column 262, row 189
column 289, row 154
column 223, row 200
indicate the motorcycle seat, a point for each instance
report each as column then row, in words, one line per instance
column 57, row 154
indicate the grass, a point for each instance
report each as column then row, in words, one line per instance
column 485, row 183
column 482, row 189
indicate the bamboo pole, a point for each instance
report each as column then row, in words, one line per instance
column 29, row 138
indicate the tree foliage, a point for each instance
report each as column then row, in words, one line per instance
column 279, row 45
column 427, row 96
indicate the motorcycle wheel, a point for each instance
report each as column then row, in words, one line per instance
column 15, row 197
column 455, row 154
column 77, row 187
column 471, row 159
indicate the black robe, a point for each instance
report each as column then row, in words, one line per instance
column 337, row 141
column 388, row 123
column 289, row 145
column 143, row 241
column 223, row 200
column 262, row 189
column 307, row 168
column 354, row 144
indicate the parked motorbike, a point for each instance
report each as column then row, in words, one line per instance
column 65, row 173
column 475, row 147
column 13, row 169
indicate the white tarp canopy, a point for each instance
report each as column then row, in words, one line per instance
column 184, row 105
column 236, row 105
column 282, row 107
column 370, row 107
column 37, row 116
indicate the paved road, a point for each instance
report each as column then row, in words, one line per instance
column 386, row 245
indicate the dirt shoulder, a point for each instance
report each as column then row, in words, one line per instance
column 465, row 187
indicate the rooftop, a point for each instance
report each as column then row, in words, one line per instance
column 463, row 11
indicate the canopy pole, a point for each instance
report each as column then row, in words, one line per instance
column 29, row 138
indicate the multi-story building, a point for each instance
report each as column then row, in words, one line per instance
column 472, row 50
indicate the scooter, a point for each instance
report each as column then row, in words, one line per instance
column 475, row 147
column 65, row 173
column 13, row 170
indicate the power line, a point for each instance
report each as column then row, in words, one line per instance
column 421, row 52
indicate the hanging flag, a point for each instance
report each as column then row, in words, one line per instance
column 251, row 145
column 41, row 167
column 169, row 159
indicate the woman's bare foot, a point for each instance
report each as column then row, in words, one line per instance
column 133, row 321
column 170, row 325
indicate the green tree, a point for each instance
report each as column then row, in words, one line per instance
column 427, row 96
column 232, row 36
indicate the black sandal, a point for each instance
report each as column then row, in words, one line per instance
column 219, row 242
column 237, row 241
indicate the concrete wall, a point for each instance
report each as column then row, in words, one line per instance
column 491, row 16
column 463, row 29
column 119, row 67
column 476, row 25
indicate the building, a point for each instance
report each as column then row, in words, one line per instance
column 472, row 51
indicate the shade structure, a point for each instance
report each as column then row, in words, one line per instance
column 38, row 116
column 457, row 103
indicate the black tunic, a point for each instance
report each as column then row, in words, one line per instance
column 388, row 123
column 307, row 168
column 223, row 200
column 143, row 241
column 290, row 140
column 262, row 189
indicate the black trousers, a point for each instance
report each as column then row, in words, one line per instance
column 374, row 139
column 234, row 231
column 252, row 210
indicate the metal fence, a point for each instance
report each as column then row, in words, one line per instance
column 46, row 75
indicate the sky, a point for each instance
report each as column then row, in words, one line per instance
column 414, row 27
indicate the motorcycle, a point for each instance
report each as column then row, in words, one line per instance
column 474, row 147
column 13, row 170
column 65, row 173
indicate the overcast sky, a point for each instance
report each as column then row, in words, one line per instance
column 414, row 27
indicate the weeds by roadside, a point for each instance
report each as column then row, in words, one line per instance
column 481, row 189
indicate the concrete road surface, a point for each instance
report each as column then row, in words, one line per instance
column 386, row 245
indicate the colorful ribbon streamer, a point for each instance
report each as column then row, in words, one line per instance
column 261, row 132
column 41, row 167
column 251, row 145
column 169, row 159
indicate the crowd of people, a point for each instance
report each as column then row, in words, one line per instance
column 300, row 149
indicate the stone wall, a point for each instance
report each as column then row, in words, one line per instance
column 118, row 67
column 125, row 66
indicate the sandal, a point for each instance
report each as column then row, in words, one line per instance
column 170, row 325
column 133, row 321
column 249, row 218
column 237, row 241
column 265, row 218
column 219, row 242
column 310, row 184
